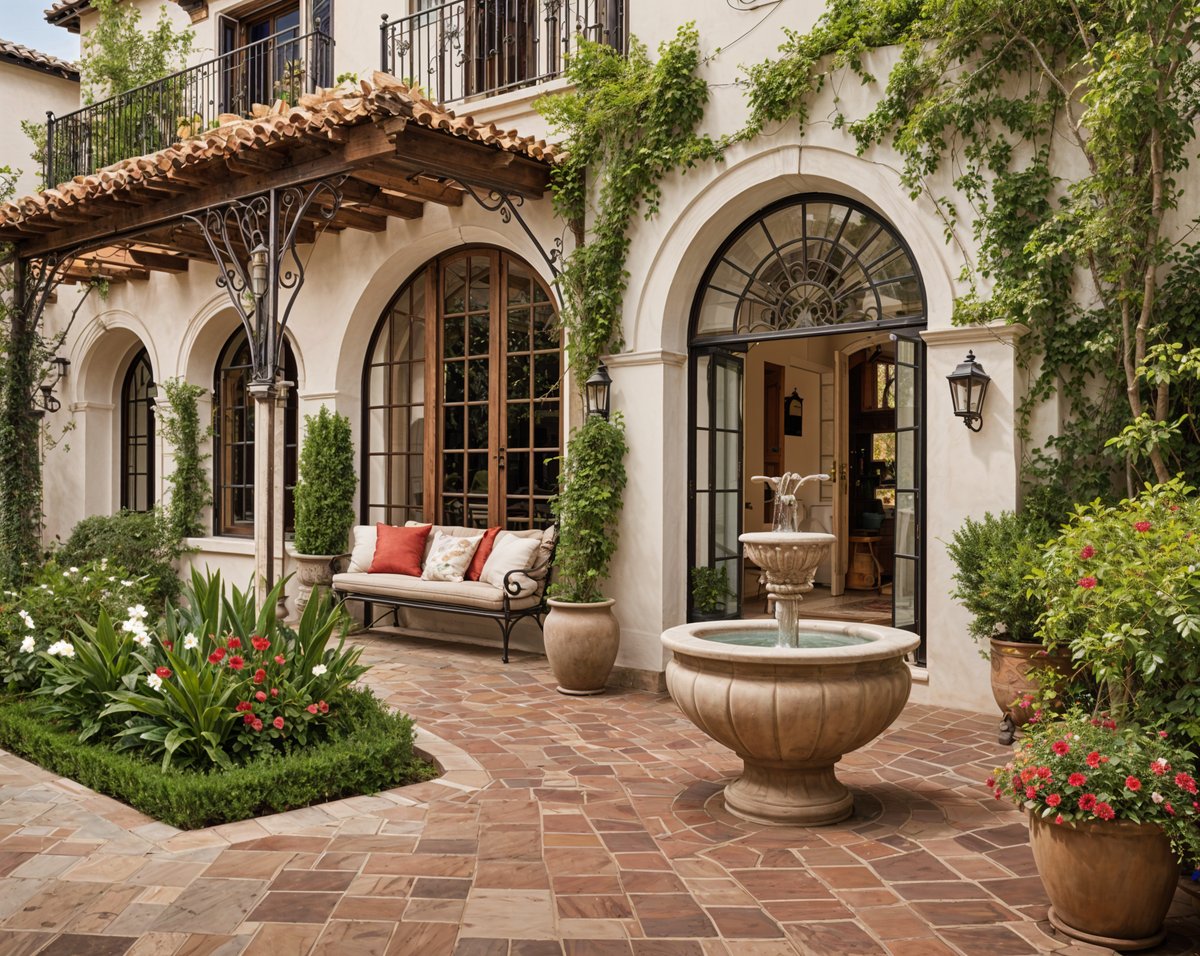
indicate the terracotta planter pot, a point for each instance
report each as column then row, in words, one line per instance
column 1013, row 664
column 312, row 570
column 1110, row 883
column 581, row 642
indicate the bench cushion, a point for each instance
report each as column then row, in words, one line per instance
column 473, row 594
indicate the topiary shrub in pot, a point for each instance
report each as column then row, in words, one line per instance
column 710, row 591
column 995, row 558
column 582, row 634
column 324, row 499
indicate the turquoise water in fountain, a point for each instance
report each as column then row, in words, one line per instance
column 769, row 637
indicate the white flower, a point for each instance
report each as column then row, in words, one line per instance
column 111, row 578
column 137, row 611
column 319, row 670
column 1156, row 797
column 190, row 642
column 126, row 584
column 85, row 579
column 154, row 681
column 73, row 570
column 61, row 649
column 1160, row 762
column 24, row 616
column 132, row 626
column 28, row 644
column 141, row 639
column 104, row 562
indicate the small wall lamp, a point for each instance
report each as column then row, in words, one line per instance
column 597, row 390
column 968, row 389
column 793, row 415
column 45, row 401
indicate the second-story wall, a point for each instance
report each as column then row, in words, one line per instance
column 27, row 94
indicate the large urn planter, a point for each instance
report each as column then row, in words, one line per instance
column 1110, row 883
column 312, row 571
column 581, row 643
column 1013, row 664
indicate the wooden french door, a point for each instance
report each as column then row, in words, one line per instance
column 493, row 451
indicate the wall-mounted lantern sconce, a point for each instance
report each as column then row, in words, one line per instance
column 793, row 415
column 152, row 392
column 968, row 389
column 258, row 271
column 44, row 400
column 597, row 392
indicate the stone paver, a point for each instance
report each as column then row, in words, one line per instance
column 561, row 827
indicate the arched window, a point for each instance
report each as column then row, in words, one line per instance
column 137, row 435
column 808, row 262
column 476, row 443
column 233, row 440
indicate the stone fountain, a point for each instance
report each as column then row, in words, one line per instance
column 791, row 699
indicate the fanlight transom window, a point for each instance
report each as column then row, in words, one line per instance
column 807, row 263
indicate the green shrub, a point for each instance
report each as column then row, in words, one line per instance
column 218, row 684
column 710, row 589
column 995, row 558
column 372, row 752
column 179, row 423
column 1121, row 590
column 587, row 508
column 140, row 541
column 325, row 486
column 50, row 608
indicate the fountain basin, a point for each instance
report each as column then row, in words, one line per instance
column 790, row 713
column 789, row 559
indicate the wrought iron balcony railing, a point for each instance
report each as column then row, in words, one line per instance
column 470, row 48
column 151, row 117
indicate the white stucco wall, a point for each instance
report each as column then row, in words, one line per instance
column 27, row 94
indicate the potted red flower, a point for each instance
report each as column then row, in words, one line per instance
column 1108, row 806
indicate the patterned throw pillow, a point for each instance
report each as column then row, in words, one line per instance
column 449, row 557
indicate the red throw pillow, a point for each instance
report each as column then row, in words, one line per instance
column 399, row 550
column 486, row 544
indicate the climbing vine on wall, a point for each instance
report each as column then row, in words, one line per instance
column 179, row 422
column 626, row 124
column 997, row 100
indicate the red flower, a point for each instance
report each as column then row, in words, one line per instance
column 248, row 718
column 233, row 643
column 1159, row 767
column 1076, row 780
column 260, row 675
column 278, row 722
column 260, row 643
column 1088, row 583
column 1109, row 724
column 260, row 697
column 1162, row 734
column 322, row 706
column 1087, row 801
column 1093, row 760
column 1170, row 809
column 274, row 691
column 989, row 782
column 244, row 705
column 1043, row 772
column 217, row 656
column 257, row 725
column 1087, row 552
column 1133, row 783
column 169, row 645
column 1030, row 793
column 1027, row 774
column 1059, row 819
column 1185, row 781
column 236, row 663
column 312, row 709
column 163, row 672
column 996, row 793
column 1104, row 811
column 1053, row 799
column 1061, row 747
column 1141, row 527
column 280, row 659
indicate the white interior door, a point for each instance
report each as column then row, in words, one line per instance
column 840, row 474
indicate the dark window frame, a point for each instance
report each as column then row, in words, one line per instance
column 135, row 391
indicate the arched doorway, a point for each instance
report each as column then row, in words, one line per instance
column 475, row 442
column 136, row 474
column 807, row 317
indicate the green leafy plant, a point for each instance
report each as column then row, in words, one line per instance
column 710, row 589
column 626, row 123
column 995, row 558
column 1003, row 101
column 1078, row 768
column 325, row 486
column 588, row 507
column 129, row 539
column 371, row 750
column 1121, row 590
column 49, row 608
column 179, row 422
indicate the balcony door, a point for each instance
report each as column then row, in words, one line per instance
column 264, row 58
column 503, row 39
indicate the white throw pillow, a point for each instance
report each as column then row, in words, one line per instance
column 510, row 553
column 362, row 548
column 449, row 557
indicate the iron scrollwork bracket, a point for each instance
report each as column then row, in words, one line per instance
column 270, row 221
column 508, row 205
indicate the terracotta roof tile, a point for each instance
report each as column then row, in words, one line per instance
column 27, row 56
column 318, row 114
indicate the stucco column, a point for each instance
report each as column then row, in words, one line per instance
column 265, row 471
column 277, row 447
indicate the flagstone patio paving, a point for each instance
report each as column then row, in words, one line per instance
column 581, row 827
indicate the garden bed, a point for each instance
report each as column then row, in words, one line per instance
column 376, row 755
